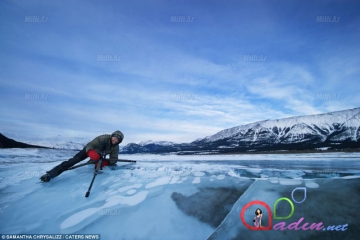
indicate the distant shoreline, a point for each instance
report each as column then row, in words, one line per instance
column 32, row 147
column 349, row 150
column 286, row 152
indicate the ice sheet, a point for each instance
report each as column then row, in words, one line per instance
column 137, row 200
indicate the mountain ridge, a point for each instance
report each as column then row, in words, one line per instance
column 6, row 142
column 334, row 130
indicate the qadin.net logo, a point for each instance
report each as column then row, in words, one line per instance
column 282, row 225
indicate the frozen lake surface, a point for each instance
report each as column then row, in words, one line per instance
column 179, row 197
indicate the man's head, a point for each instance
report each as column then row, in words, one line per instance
column 117, row 137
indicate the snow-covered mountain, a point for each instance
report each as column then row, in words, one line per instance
column 295, row 128
column 338, row 130
column 162, row 143
column 69, row 145
column 147, row 147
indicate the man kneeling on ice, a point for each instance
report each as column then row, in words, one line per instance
column 106, row 144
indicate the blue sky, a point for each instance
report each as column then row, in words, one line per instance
column 168, row 80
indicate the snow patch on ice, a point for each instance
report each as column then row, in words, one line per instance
column 199, row 174
column 311, row 185
column 135, row 199
column 174, row 180
column 254, row 170
column 111, row 192
column 159, row 182
column 221, row 177
column 113, row 201
column 274, row 180
column 161, row 169
column 131, row 200
column 293, row 174
column 233, row 174
column 131, row 191
column 196, row 180
column 290, row 182
column 78, row 217
column 126, row 188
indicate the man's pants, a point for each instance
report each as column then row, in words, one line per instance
column 56, row 171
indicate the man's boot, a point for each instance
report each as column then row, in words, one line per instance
column 46, row 177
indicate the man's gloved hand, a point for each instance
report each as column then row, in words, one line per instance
column 103, row 164
column 112, row 163
column 93, row 155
